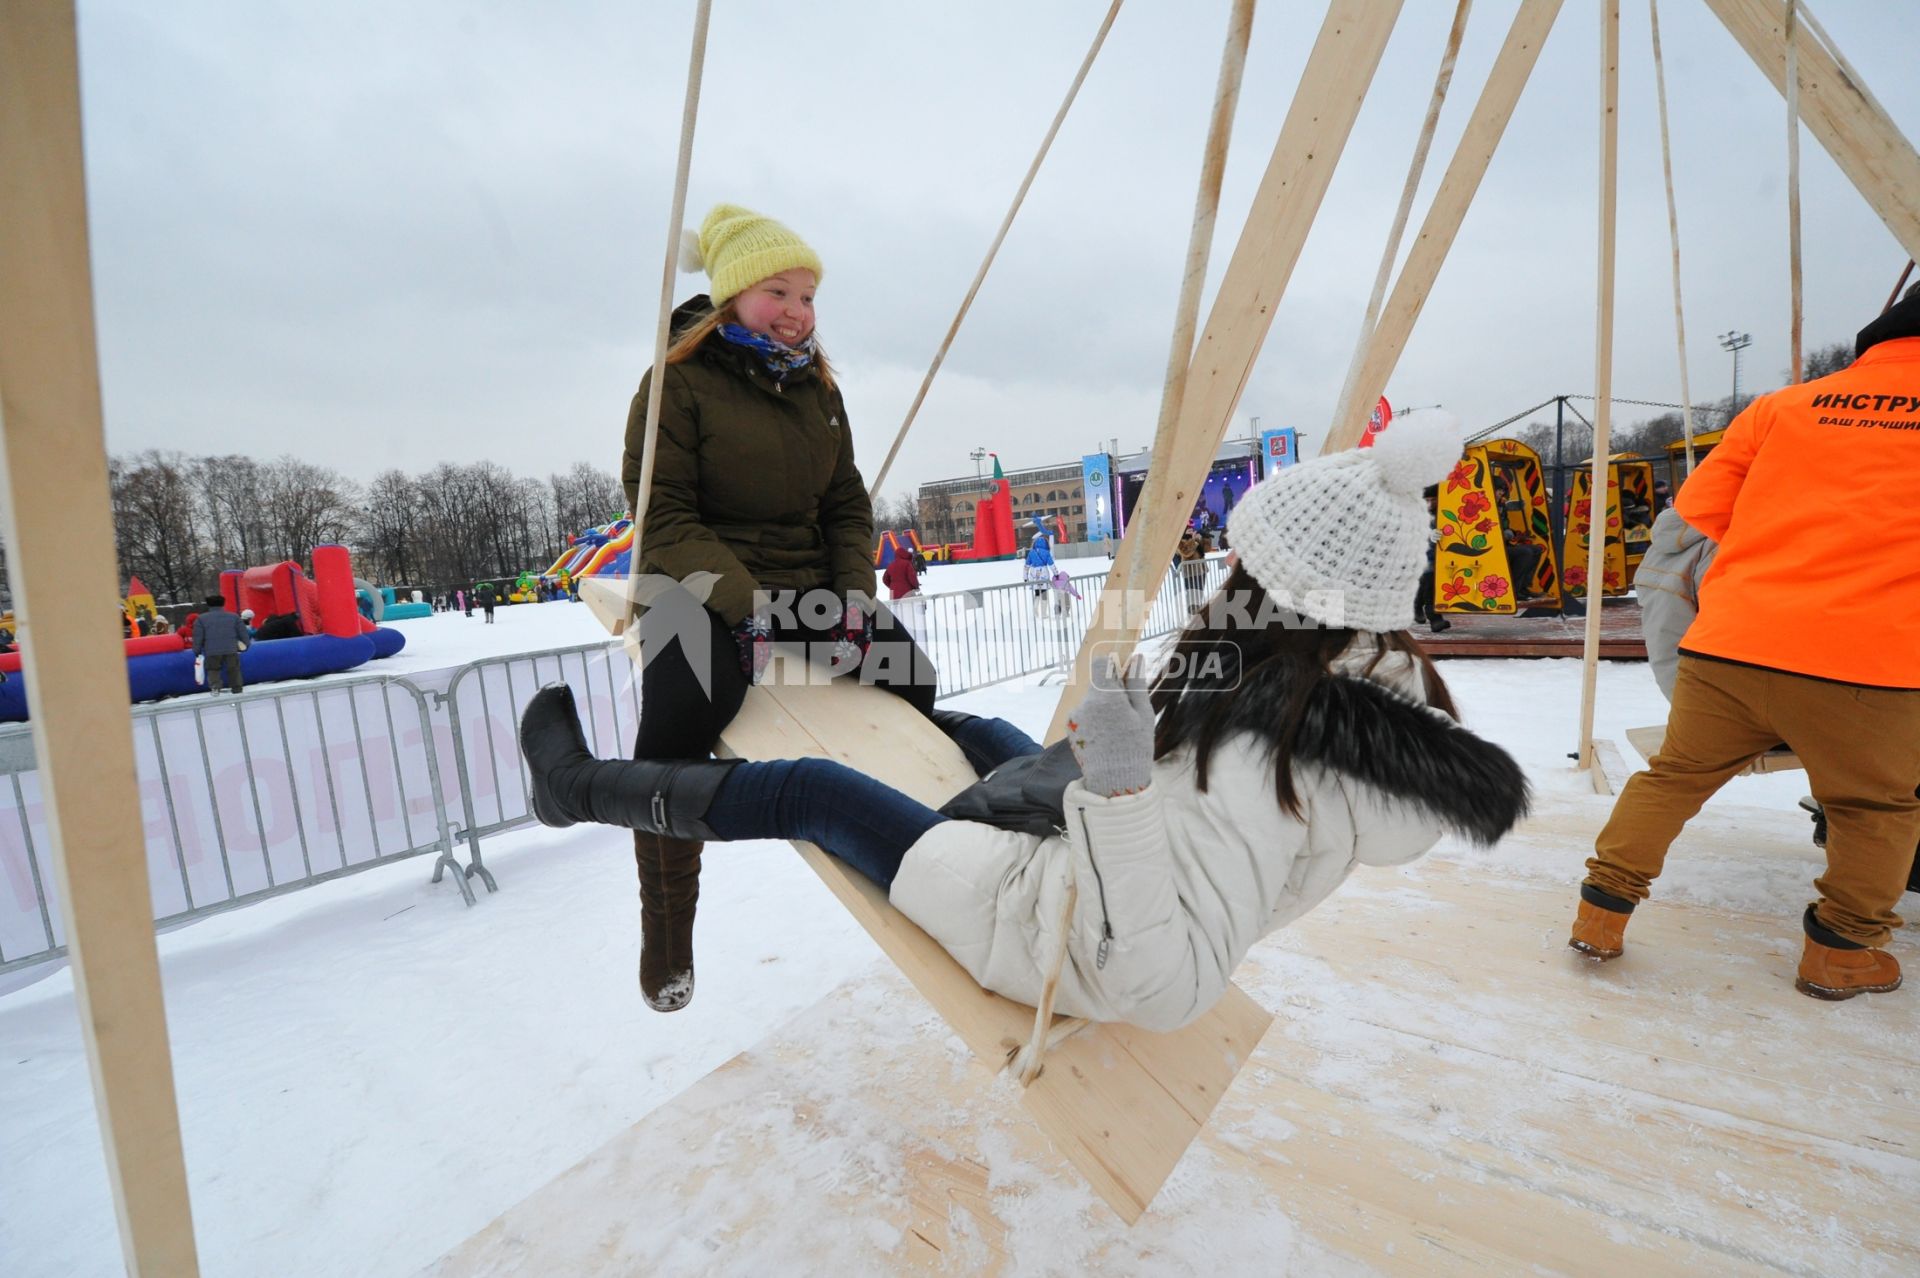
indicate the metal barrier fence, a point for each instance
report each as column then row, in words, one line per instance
column 244, row 798
column 249, row 797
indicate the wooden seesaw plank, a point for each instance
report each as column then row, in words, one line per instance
column 1648, row 742
column 1121, row 1103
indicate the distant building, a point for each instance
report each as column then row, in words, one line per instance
column 1096, row 494
column 946, row 505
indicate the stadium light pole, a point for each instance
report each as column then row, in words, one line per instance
column 1735, row 342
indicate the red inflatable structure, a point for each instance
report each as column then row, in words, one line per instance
column 992, row 521
column 324, row 602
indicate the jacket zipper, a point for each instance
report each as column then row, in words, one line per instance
column 1106, row 925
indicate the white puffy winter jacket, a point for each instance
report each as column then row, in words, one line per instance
column 1175, row 885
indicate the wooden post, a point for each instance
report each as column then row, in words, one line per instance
column 1673, row 233
column 1838, row 110
column 58, row 526
column 1344, row 406
column 1325, row 104
column 1602, row 378
column 1791, row 74
column 993, row 250
column 676, row 216
column 1206, row 210
column 1498, row 97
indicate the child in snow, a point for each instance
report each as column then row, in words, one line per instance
column 758, row 526
column 1298, row 733
column 1062, row 590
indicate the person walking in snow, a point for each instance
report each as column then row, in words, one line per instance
column 759, row 533
column 1039, row 566
column 902, row 580
column 1783, row 496
column 219, row 637
column 1298, row 732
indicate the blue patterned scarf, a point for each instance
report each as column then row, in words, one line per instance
column 781, row 360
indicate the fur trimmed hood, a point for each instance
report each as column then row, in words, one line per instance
column 1361, row 729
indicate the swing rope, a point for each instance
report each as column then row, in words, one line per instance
column 1673, row 232
column 1006, row 224
column 1186, row 313
column 696, row 66
column 1027, row 1061
column 1348, row 410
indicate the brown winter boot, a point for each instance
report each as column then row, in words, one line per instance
column 1830, row 973
column 1599, row 932
column 669, row 889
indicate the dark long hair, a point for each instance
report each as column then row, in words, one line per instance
column 1225, row 648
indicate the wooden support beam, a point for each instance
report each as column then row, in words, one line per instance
column 1327, row 100
column 1602, row 377
column 1837, row 109
column 1511, row 70
column 58, row 524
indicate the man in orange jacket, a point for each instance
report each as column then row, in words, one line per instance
column 1808, row 633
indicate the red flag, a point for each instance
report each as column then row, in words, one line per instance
column 1381, row 419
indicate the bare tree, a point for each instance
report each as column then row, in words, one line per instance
column 304, row 506
column 390, row 526
column 157, row 524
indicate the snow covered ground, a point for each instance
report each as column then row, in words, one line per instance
column 368, row 1072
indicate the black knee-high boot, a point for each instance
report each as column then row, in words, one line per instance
column 659, row 796
column 664, row 803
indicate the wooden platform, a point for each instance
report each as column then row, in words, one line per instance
column 1447, row 1090
column 1482, row 636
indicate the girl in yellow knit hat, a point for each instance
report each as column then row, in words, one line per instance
column 758, row 511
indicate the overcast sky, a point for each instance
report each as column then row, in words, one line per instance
column 379, row 234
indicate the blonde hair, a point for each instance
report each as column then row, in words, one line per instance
column 694, row 336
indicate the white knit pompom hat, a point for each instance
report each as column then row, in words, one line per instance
column 1343, row 539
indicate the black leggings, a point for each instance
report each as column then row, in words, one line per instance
column 682, row 713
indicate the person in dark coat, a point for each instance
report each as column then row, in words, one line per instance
column 219, row 637
column 488, row 599
column 758, row 531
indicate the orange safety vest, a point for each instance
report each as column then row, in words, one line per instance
column 1814, row 497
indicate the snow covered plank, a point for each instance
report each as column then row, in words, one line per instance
column 1680, row 1110
column 1123, row 1104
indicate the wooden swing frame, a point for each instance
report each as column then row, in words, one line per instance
column 52, row 440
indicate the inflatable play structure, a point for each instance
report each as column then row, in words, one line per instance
column 992, row 523
column 140, row 607
column 894, row 543
column 595, row 552
column 1628, row 523
column 381, row 603
column 333, row 634
column 1495, row 553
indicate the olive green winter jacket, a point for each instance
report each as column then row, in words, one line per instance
column 752, row 481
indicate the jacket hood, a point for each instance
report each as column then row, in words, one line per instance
column 1361, row 729
column 688, row 313
column 1901, row 320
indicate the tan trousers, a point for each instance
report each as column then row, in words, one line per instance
column 1861, row 747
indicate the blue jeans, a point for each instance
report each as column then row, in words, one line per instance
column 866, row 823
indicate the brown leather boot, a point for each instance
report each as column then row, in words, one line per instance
column 1598, row 932
column 1829, row 973
column 669, row 871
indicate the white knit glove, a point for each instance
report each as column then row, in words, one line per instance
column 1111, row 735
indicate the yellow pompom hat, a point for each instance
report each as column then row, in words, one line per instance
column 738, row 248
